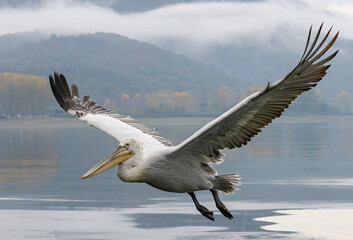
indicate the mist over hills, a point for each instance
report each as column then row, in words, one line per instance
column 187, row 50
column 256, row 63
column 109, row 65
column 121, row 6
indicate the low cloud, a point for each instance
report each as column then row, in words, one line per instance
column 207, row 22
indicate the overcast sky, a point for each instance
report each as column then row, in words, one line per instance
column 222, row 22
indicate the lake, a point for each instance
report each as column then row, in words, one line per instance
column 297, row 183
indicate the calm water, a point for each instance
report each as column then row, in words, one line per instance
column 296, row 163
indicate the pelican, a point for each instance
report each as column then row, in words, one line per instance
column 143, row 155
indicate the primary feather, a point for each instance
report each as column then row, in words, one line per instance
column 237, row 126
column 119, row 126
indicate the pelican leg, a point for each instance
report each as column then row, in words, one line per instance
column 222, row 208
column 204, row 211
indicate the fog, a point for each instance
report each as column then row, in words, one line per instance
column 203, row 23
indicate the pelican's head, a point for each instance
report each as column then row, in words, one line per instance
column 125, row 150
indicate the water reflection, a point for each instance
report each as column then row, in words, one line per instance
column 314, row 223
column 174, row 222
column 295, row 163
column 26, row 170
column 27, row 154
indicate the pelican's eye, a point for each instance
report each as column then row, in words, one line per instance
column 127, row 145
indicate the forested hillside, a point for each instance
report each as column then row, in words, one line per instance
column 23, row 95
column 119, row 71
column 129, row 76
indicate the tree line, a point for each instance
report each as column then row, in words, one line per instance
column 29, row 96
column 23, row 95
column 182, row 103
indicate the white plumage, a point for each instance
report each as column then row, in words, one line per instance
column 145, row 156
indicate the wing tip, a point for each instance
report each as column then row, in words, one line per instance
column 60, row 90
column 74, row 90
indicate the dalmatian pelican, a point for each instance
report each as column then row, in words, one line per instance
column 143, row 155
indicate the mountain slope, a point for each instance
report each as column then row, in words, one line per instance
column 109, row 65
column 255, row 63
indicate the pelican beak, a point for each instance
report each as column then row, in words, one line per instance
column 120, row 155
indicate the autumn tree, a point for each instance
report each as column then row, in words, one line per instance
column 170, row 102
column 226, row 98
column 23, row 95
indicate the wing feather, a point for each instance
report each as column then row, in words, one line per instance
column 119, row 126
column 237, row 126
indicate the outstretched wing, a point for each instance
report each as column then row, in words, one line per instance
column 116, row 125
column 237, row 126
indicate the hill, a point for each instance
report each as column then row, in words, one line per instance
column 110, row 65
column 257, row 63
column 141, row 79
